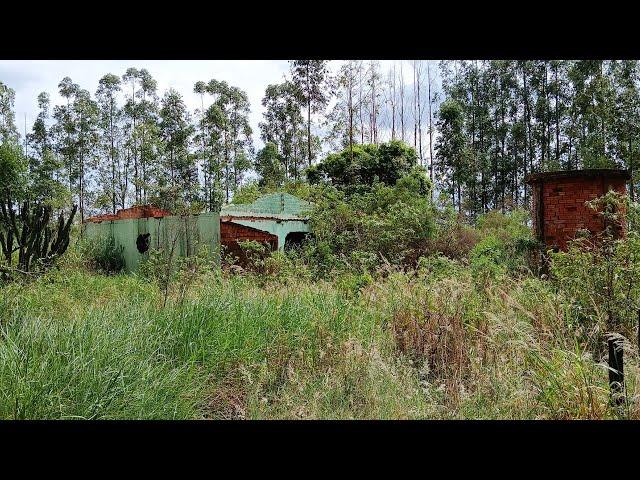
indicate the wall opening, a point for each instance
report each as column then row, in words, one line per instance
column 295, row 240
column 142, row 242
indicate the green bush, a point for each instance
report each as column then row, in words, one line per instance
column 599, row 274
column 103, row 254
column 362, row 231
column 488, row 261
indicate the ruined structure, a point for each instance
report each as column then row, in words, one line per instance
column 558, row 207
column 137, row 211
column 139, row 228
column 277, row 219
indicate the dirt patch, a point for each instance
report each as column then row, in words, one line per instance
column 228, row 400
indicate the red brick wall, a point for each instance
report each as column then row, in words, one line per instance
column 139, row 211
column 564, row 209
column 142, row 211
column 233, row 233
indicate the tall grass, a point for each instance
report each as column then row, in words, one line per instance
column 421, row 344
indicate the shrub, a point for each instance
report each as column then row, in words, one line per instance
column 488, row 261
column 103, row 254
column 437, row 266
column 364, row 230
column 454, row 240
column 599, row 275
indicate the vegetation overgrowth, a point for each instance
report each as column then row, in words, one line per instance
column 395, row 309
column 420, row 293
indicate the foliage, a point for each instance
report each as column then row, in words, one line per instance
column 103, row 254
column 359, row 346
column 254, row 252
column 13, row 169
column 248, row 193
column 171, row 272
column 364, row 165
column 488, row 261
column 362, row 230
column 268, row 166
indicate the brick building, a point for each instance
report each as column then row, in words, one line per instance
column 558, row 207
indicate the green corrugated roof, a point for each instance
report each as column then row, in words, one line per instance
column 278, row 205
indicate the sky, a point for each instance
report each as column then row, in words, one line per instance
column 30, row 77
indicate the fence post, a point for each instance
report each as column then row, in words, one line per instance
column 616, row 370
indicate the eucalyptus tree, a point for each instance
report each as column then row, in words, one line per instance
column 65, row 128
column 8, row 130
column 281, row 125
column 87, row 117
column 626, row 76
column 450, row 148
column 218, row 117
column 110, row 170
column 269, row 165
column 147, row 130
column 594, row 105
column 178, row 184
column 227, row 120
column 310, row 78
column 39, row 139
column 344, row 115
column 76, row 136
column 201, row 138
column 44, row 166
column 131, row 112
column 240, row 134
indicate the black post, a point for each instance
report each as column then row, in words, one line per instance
column 616, row 371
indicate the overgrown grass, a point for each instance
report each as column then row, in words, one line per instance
column 427, row 344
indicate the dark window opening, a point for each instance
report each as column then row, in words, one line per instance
column 295, row 240
column 143, row 242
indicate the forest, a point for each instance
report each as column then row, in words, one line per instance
column 420, row 293
column 478, row 127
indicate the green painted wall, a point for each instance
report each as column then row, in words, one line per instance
column 186, row 232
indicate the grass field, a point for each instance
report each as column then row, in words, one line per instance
column 426, row 344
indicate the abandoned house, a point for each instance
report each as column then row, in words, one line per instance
column 558, row 208
column 139, row 228
column 279, row 220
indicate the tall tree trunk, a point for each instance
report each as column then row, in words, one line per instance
column 415, row 119
column 308, row 114
column 430, row 130
column 361, row 105
column 393, row 104
column 402, row 102
column 557, row 115
column 113, row 160
column 419, row 123
column 350, row 110
column 632, row 192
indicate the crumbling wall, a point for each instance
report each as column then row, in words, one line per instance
column 138, row 211
column 232, row 234
column 182, row 233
